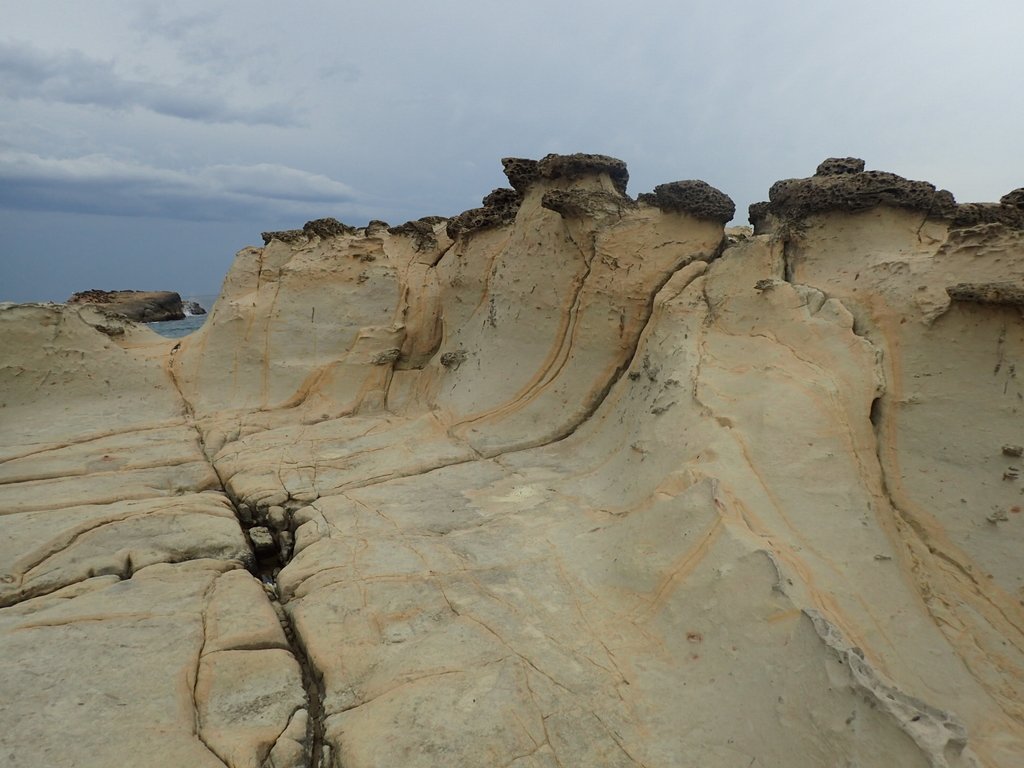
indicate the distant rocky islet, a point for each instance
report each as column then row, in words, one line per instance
column 164, row 311
column 140, row 306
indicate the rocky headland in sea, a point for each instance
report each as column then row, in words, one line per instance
column 140, row 306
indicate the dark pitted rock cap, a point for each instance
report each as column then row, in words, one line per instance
column 988, row 293
column 837, row 166
column 284, row 235
column 584, row 203
column 374, row 226
column 839, row 186
column 328, row 227
column 974, row 214
column 322, row 228
column 1014, row 199
column 757, row 214
column 695, row 197
column 499, row 208
column 797, row 198
column 421, row 231
column 520, row 171
column 502, row 198
column 580, row 165
column 94, row 296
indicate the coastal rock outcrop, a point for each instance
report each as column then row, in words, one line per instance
column 140, row 306
column 569, row 479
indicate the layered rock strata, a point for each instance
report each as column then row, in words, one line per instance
column 570, row 479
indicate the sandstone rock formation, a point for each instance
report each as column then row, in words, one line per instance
column 571, row 479
column 141, row 306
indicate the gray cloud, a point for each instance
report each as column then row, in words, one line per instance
column 155, row 19
column 105, row 185
column 413, row 104
column 71, row 77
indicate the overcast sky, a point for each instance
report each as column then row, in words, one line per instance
column 143, row 143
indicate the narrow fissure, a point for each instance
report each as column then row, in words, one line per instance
column 317, row 751
column 272, row 549
column 269, row 552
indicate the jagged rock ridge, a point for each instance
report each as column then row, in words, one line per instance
column 570, row 479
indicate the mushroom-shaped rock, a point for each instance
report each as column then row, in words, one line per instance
column 841, row 184
column 797, row 198
column 580, row 165
column 695, row 197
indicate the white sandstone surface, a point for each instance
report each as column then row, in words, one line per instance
column 570, row 480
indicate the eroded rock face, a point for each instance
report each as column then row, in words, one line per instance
column 567, row 480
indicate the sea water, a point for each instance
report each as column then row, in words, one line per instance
column 175, row 329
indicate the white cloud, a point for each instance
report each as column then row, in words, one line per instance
column 71, row 77
column 286, row 183
column 102, row 184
